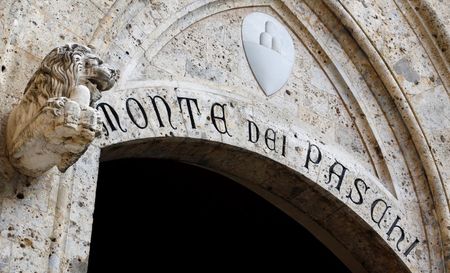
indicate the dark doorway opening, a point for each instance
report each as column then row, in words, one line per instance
column 152, row 214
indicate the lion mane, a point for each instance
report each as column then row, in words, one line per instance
column 58, row 72
column 56, row 77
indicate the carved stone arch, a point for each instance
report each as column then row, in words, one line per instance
column 296, row 195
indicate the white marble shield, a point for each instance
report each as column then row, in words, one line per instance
column 269, row 50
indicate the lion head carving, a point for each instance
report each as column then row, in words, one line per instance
column 67, row 84
column 66, row 67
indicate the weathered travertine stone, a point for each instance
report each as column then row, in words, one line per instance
column 369, row 89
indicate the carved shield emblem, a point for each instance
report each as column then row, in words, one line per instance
column 269, row 50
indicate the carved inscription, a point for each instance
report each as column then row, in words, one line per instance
column 141, row 112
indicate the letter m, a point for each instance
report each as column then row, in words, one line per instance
column 107, row 114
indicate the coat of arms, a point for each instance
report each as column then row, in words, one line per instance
column 269, row 50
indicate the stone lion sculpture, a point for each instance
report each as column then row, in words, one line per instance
column 55, row 122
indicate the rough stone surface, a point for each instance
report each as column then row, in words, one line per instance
column 369, row 90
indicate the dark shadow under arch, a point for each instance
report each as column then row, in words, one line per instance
column 153, row 214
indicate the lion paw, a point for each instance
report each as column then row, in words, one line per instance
column 56, row 105
column 90, row 120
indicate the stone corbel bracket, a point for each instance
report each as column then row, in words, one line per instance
column 54, row 123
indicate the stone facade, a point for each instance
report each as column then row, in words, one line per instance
column 355, row 146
